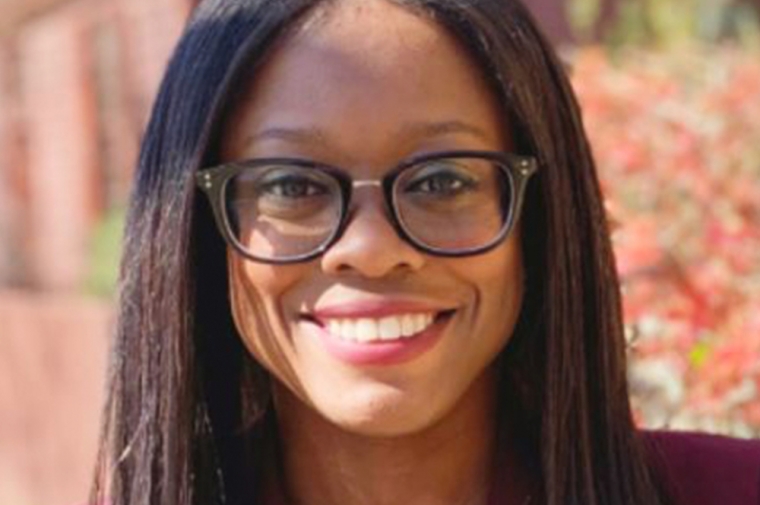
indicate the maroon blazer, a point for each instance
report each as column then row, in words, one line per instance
column 709, row 469
column 699, row 469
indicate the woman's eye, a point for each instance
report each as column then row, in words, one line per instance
column 441, row 183
column 292, row 187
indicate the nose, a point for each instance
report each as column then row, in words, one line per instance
column 370, row 245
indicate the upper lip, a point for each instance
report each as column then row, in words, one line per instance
column 377, row 308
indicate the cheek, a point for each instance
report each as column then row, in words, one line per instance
column 507, row 276
column 497, row 280
column 257, row 294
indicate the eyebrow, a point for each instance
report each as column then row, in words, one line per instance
column 417, row 131
column 306, row 135
column 426, row 130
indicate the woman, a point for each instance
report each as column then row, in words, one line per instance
column 415, row 300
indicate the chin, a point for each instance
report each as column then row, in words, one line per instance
column 381, row 414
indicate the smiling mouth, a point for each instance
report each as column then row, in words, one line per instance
column 395, row 327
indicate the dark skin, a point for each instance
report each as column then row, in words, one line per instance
column 364, row 86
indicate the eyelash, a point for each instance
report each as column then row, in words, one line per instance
column 277, row 187
column 463, row 182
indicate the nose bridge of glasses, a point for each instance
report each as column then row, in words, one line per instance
column 370, row 240
column 361, row 197
column 361, row 200
column 373, row 202
column 363, row 183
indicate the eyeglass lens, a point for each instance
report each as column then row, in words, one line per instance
column 453, row 204
column 282, row 211
column 286, row 211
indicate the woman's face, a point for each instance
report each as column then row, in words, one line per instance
column 362, row 87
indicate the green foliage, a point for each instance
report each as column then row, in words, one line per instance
column 670, row 23
column 105, row 253
column 700, row 354
column 583, row 15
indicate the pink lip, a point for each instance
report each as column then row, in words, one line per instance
column 380, row 353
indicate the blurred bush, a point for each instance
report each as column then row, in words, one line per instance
column 105, row 253
column 676, row 135
column 667, row 23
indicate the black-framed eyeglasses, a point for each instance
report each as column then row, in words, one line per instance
column 288, row 210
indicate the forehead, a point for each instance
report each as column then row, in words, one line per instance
column 363, row 74
column 379, row 37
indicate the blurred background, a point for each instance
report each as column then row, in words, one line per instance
column 670, row 91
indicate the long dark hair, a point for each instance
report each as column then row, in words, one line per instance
column 186, row 418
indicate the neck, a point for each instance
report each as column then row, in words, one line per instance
column 449, row 463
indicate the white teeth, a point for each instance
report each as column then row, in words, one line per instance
column 386, row 328
column 390, row 328
column 366, row 330
column 408, row 324
column 337, row 327
column 421, row 321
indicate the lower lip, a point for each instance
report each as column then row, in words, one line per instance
column 383, row 353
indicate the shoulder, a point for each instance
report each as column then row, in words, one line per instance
column 708, row 469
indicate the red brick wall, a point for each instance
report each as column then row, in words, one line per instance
column 59, row 119
column 76, row 83
column 11, row 184
column 52, row 367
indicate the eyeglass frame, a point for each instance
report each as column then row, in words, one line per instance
column 212, row 182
